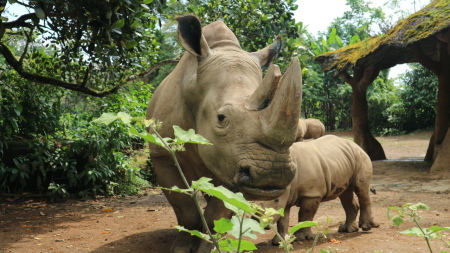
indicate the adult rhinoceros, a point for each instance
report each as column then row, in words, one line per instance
column 217, row 89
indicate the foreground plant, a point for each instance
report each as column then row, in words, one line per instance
column 243, row 223
column 412, row 210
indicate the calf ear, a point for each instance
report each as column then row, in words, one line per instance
column 265, row 55
column 190, row 36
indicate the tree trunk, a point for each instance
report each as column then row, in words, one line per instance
column 360, row 114
column 361, row 130
column 437, row 151
column 443, row 104
column 430, row 149
column 442, row 161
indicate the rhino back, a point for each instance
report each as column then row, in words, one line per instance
column 327, row 166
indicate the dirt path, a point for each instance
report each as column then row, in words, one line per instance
column 144, row 223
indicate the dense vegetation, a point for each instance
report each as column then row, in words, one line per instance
column 67, row 62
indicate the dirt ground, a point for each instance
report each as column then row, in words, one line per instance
column 144, row 223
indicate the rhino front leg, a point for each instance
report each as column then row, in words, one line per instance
column 282, row 226
column 308, row 208
column 215, row 209
column 183, row 206
column 351, row 208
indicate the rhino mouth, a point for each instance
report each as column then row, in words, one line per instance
column 251, row 191
column 255, row 193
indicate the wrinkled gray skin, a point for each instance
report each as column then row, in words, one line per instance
column 309, row 129
column 327, row 168
column 217, row 89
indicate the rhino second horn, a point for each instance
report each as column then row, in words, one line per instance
column 280, row 118
column 262, row 96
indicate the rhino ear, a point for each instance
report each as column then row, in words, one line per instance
column 265, row 55
column 191, row 37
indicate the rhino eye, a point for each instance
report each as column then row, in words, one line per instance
column 220, row 117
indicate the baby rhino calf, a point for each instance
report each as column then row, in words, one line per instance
column 327, row 168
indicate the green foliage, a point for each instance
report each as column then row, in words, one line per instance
column 412, row 210
column 256, row 23
column 419, row 98
column 59, row 144
column 82, row 40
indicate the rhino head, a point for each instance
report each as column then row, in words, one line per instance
column 250, row 121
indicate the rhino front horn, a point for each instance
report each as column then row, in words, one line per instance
column 280, row 118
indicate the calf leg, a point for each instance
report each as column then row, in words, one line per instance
column 351, row 208
column 282, row 226
column 308, row 208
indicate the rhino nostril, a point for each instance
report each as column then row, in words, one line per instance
column 243, row 175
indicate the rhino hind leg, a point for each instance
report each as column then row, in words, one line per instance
column 362, row 190
column 308, row 208
column 351, row 207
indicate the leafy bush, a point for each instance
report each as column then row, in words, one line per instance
column 93, row 164
column 48, row 144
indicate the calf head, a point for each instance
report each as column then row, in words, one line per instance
column 250, row 121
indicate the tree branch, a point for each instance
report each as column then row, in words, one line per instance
column 346, row 77
column 11, row 60
column 20, row 22
column 426, row 61
column 25, row 50
column 147, row 73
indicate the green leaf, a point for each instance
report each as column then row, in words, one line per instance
column 232, row 245
column 118, row 24
column 147, row 1
column 270, row 212
column 249, row 226
column 223, row 225
column 332, row 36
column 397, row 221
column 40, row 13
column 106, row 118
column 189, row 136
column 223, row 193
column 303, row 224
column 435, row 228
column 149, row 137
column 354, row 39
column 193, row 232
column 413, row 231
column 419, row 206
column 177, row 189
column 233, row 208
column 339, row 41
column 131, row 44
column 125, row 117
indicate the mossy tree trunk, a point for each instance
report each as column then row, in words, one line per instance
column 362, row 135
column 441, row 67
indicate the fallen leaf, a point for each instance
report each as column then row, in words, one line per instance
column 120, row 217
column 42, row 213
column 105, row 232
column 334, row 241
column 107, row 209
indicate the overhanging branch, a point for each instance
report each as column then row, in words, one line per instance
column 426, row 61
column 17, row 66
column 21, row 22
column 147, row 73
